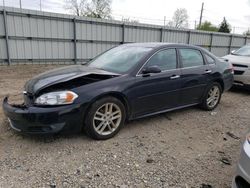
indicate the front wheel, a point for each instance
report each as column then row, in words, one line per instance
column 105, row 118
column 212, row 96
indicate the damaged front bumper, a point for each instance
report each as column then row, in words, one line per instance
column 44, row 120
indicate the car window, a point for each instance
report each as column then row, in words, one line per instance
column 210, row 60
column 243, row 51
column 119, row 59
column 165, row 60
column 191, row 58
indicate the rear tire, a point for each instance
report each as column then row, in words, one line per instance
column 105, row 118
column 212, row 97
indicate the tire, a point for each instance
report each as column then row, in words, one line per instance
column 208, row 104
column 105, row 118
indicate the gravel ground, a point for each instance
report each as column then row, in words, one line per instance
column 183, row 148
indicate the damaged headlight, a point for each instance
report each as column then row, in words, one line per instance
column 56, row 98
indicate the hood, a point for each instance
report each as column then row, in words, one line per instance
column 61, row 75
column 238, row 59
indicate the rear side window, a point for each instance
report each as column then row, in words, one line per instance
column 191, row 58
column 210, row 60
column 164, row 59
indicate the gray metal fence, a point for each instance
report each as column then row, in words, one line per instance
column 28, row 36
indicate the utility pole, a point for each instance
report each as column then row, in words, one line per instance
column 195, row 24
column 164, row 21
column 40, row 5
column 3, row 3
column 202, row 7
column 20, row 2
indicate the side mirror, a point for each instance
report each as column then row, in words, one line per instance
column 232, row 52
column 151, row 69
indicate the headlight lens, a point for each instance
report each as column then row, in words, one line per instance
column 56, row 98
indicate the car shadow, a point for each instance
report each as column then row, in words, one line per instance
column 168, row 116
column 55, row 137
column 129, row 125
column 47, row 138
column 242, row 90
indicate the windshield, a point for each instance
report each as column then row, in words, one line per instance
column 119, row 59
column 244, row 51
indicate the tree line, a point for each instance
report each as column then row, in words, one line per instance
column 102, row 9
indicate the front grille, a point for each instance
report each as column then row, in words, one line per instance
column 239, row 65
column 238, row 72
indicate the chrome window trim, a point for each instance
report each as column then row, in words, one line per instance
column 137, row 74
column 153, row 74
column 192, row 67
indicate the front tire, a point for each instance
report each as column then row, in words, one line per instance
column 105, row 118
column 212, row 97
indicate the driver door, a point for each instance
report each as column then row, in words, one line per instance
column 155, row 92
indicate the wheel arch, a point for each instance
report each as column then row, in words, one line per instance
column 114, row 94
column 221, row 82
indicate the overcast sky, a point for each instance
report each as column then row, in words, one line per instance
column 153, row 11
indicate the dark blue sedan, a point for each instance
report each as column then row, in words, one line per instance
column 124, row 83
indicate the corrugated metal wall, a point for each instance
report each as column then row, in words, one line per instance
column 28, row 36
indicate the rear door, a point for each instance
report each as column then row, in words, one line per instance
column 194, row 75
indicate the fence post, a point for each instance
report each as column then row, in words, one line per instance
column 75, row 41
column 230, row 44
column 161, row 34
column 6, row 35
column 123, row 33
column 211, row 42
column 189, row 36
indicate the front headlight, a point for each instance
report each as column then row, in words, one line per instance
column 56, row 98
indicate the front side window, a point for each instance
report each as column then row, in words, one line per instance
column 191, row 58
column 165, row 60
column 119, row 59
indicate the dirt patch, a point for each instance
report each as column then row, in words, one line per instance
column 184, row 148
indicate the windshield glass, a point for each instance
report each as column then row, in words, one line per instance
column 119, row 59
column 244, row 51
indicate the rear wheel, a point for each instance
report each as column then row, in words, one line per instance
column 105, row 118
column 212, row 96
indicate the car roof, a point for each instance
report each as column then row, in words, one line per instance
column 158, row 44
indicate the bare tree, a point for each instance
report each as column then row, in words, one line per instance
column 90, row 8
column 247, row 33
column 99, row 9
column 76, row 7
column 130, row 20
column 180, row 19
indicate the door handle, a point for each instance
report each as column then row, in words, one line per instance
column 174, row 77
column 208, row 71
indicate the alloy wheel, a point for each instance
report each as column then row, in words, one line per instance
column 107, row 118
column 213, row 96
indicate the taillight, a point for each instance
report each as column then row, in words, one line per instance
column 231, row 68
